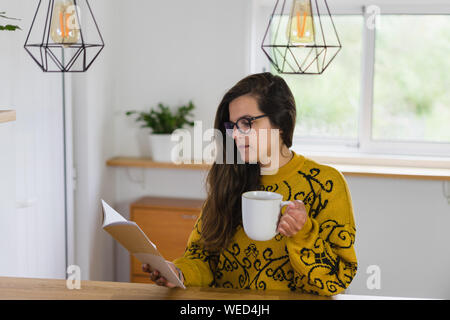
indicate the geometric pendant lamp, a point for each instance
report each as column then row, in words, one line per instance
column 301, row 37
column 64, row 36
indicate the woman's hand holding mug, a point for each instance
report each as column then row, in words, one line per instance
column 293, row 219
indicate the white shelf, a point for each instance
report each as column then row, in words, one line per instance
column 7, row 116
column 430, row 171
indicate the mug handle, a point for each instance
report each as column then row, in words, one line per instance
column 284, row 203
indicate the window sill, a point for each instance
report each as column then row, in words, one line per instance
column 390, row 166
column 382, row 166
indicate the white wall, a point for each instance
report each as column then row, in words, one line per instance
column 174, row 51
column 33, row 223
column 401, row 226
column 9, row 225
column 93, row 95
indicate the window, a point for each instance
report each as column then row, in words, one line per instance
column 412, row 79
column 328, row 104
column 388, row 89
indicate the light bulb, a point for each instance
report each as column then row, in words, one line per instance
column 300, row 29
column 65, row 27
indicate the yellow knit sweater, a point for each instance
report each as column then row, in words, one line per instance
column 319, row 259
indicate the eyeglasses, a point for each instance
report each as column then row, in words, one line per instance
column 244, row 124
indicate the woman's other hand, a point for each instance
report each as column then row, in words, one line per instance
column 156, row 276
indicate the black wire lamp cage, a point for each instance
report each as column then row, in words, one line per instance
column 301, row 37
column 64, row 36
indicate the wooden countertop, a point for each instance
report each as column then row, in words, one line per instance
column 55, row 289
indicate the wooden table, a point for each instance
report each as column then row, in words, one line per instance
column 56, row 289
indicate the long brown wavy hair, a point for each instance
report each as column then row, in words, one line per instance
column 225, row 183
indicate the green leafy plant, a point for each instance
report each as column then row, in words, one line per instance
column 163, row 121
column 8, row 27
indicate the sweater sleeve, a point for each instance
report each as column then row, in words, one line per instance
column 322, row 253
column 195, row 263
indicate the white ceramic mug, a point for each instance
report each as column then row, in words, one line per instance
column 260, row 213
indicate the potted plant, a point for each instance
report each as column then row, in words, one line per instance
column 8, row 27
column 163, row 123
column 7, row 115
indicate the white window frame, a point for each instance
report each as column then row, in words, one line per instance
column 261, row 11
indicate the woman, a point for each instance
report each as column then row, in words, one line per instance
column 313, row 251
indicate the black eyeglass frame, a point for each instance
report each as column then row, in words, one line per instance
column 231, row 124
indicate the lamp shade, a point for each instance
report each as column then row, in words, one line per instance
column 301, row 37
column 64, row 36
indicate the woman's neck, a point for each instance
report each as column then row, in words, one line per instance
column 283, row 158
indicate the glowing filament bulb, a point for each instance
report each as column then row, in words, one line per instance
column 65, row 27
column 300, row 29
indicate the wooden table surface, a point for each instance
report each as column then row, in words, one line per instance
column 56, row 289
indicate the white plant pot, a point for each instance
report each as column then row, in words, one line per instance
column 162, row 148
